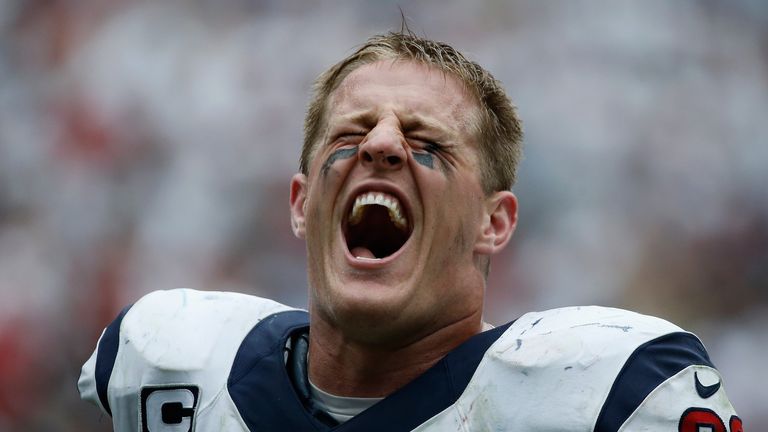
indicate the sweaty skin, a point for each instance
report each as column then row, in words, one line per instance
column 379, row 323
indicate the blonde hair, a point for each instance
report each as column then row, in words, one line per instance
column 499, row 130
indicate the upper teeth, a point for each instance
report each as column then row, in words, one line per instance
column 382, row 199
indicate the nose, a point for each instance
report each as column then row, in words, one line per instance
column 383, row 149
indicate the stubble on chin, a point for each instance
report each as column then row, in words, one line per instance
column 366, row 321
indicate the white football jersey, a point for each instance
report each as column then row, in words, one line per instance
column 186, row 360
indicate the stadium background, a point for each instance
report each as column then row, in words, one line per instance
column 148, row 145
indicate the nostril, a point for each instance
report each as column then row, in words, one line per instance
column 381, row 158
column 393, row 160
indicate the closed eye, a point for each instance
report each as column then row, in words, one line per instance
column 425, row 144
column 433, row 147
column 347, row 138
column 442, row 152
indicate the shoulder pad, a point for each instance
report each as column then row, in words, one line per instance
column 184, row 329
column 175, row 338
column 554, row 370
column 586, row 333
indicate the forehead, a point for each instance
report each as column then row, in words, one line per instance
column 412, row 90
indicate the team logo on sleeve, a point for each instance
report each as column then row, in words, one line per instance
column 706, row 420
column 705, row 391
column 169, row 408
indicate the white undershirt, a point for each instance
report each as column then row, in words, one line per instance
column 339, row 407
column 342, row 408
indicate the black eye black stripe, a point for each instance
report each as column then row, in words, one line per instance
column 342, row 153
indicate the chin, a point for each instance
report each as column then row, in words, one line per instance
column 372, row 313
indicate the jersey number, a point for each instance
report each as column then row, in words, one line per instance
column 168, row 408
column 706, row 420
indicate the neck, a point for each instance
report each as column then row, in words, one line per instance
column 344, row 367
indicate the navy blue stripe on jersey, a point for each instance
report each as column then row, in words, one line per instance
column 258, row 382
column 105, row 358
column 261, row 388
column 648, row 367
column 429, row 394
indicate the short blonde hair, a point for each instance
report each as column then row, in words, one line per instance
column 499, row 131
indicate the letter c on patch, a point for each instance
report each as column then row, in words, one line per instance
column 168, row 408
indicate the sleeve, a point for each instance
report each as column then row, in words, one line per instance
column 163, row 363
column 598, row 369
column 668, row 384
column 94, row 376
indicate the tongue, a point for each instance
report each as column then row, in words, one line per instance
column 361, row 252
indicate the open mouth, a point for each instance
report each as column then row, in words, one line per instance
column 376, row 226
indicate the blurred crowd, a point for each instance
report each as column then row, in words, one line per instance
column 148, row 145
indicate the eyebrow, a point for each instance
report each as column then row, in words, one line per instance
column 359, row 118
column 409, row 122
column 416, row 123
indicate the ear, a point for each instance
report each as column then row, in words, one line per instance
column 499, row 222
column 298, row 202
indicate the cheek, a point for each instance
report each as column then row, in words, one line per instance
column 432, row 162
column 464, row 206
column 337, row 155
column 314, row 211
column 424, row 159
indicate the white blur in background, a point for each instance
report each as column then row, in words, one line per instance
column 149, row 145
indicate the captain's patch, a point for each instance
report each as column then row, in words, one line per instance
column 169, row 408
